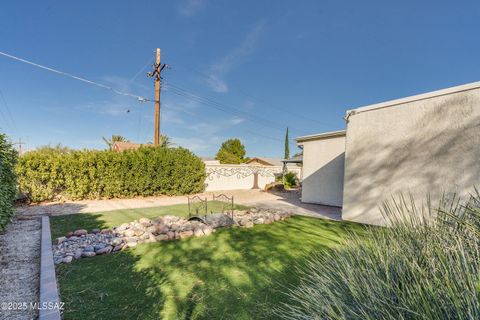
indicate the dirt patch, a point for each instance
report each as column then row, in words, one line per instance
column 19, row 268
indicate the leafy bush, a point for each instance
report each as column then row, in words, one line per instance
column 48, row 174
column 425, row 266
column 8, row 180
column 290, row 179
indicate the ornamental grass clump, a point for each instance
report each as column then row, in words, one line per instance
column 424, row 265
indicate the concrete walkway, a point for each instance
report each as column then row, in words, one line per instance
column 287, row 201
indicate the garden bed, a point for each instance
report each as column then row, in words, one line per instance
column 234, row 271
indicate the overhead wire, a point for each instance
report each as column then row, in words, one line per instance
column 268, row 105
column 205, row 119
column 66, row 74
column 176, row 90
column 226, row 108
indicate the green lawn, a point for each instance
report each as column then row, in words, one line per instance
column 233, row 274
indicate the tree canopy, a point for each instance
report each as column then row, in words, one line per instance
column 287, row 146
column 232, row 151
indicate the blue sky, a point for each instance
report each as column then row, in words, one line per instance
column 262, row 65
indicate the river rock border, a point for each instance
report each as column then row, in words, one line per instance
column 83, row 244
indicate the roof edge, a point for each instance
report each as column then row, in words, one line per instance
column 422, row 96
column 324, row 135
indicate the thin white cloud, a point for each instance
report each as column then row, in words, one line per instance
column 188, row 8
column 236, row 120
column 218, row 70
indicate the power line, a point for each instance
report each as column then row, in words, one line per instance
column 225, row 108
column 140, row 71
column 276, row 108
column 205, row 119
column 66, row 74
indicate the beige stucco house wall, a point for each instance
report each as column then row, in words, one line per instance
column 428, row 143
column 323, row 168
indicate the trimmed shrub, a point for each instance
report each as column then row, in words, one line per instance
column 148, row 171
column 290, row 179
column 8, row 180
column 426, row 265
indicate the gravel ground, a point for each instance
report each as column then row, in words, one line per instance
column 19, row 268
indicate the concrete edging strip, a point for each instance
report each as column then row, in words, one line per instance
column 48, row 281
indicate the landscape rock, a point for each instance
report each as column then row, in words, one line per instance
column 77, row 254
column 118, row 247
column 145, row 221
column 104, row 250
column 106, row 231
column 89, row 248
column 162, row 237
column 218, row 220
column 198, row 232
column 99, row 246
column 87, row 254
column 184, row 234
column 116, row 241
column 80, row 232
column 123, row 227
column 80, row 243
column 131, row 244
column 61, row 239
column 259, row 221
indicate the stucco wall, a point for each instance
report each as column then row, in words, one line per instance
column 430, row 144
column 236, row 177
column 323, row 170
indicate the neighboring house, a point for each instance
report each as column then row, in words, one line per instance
column 323, row 167
column 125, row 145
column 419, row 145
column 291, row 163
column 262, row 161
column 210, row 160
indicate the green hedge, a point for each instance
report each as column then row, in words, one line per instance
column 8, row 180
column 50, row 173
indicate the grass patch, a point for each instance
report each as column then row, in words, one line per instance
column 234, row 273
column 107, row 219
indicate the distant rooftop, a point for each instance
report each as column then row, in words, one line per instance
column 125, row 145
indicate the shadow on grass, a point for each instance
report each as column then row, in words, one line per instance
column 232, row 274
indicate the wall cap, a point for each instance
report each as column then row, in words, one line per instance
column 323, row 135
column 423, row 96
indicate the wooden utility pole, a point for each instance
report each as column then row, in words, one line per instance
column 157, row 98
column 157, row 71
